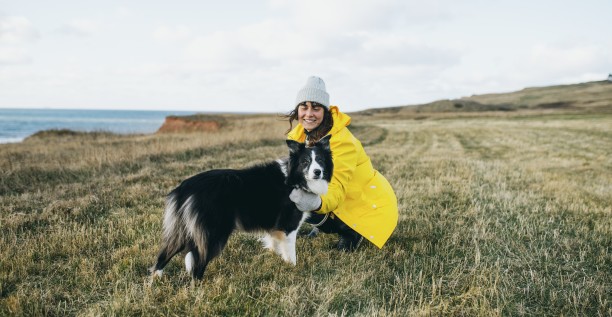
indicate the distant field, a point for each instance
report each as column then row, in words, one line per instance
column 499, row 215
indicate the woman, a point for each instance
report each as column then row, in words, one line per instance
column 360, row 202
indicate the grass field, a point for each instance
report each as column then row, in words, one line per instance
column 499, row 216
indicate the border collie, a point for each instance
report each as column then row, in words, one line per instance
column 203, row 211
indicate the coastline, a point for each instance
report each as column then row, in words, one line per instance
column 18, row 124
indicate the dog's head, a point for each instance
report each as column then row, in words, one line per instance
column 310, row 168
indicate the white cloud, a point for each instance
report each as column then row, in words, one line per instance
column 172, row 33
column 397, row 49
column 224, row 51
column 362, row 15
column 343, row 43
column 123, row 12
column 16, row 30
column 16, row 33
column 563, row 58
column 370, row 53
column 346, row 43
column 14, row 55
column 79, row 27
column 318, row 32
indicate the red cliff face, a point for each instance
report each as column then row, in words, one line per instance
column 175, row 124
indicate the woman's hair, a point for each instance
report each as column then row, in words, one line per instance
column 316, row 134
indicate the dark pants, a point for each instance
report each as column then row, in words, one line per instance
column 349, row 238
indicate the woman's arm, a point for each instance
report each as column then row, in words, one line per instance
column 344, row 156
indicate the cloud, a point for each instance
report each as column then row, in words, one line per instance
column 16, row 30
column 172, row 33
column 360, row 15
column 123, row 12
column 363, row 44
column 398, row 50
column 79, row 27
column 14, row 55
column 15, row 34
column 371, row 54
column 362, row 49
column 568, row 58
column 225, row 51
column 356, row 34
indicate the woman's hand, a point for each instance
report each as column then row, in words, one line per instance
column 305, row 201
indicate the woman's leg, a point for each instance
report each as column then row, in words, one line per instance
column 349, row 238
column 317, row 220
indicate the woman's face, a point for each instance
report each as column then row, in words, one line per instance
column 310, row 115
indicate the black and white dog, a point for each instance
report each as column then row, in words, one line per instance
column 204, row 210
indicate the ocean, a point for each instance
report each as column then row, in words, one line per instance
column 18, row 124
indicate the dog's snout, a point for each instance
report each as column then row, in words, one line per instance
column 317, row 173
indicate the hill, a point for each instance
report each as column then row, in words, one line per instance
column 584, row 97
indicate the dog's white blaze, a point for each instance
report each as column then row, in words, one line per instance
column 189, row 262
column 189, row 216
column 317, row 186
column 314, row 166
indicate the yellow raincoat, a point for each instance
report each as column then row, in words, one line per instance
column 358, row 194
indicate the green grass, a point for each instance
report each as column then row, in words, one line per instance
column 505, row 215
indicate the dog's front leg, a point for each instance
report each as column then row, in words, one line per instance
column 289, row 246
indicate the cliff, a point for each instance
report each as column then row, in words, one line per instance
column 195, row 123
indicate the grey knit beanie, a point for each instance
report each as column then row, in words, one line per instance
column 314, row 90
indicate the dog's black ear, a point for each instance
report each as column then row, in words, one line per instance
column 324, row 142
column 294, row 146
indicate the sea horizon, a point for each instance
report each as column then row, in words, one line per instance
column 16, row 124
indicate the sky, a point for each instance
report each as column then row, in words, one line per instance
column 253, row 56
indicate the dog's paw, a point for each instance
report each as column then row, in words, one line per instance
column 289, row 258
column 156, row 273
column 189, row 262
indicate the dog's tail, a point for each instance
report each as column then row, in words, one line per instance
column 174, row 238
column 196, row 235
column 183, row 229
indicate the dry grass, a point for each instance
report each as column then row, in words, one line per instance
column 504, row 215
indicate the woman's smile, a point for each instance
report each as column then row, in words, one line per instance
column 310, row 115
